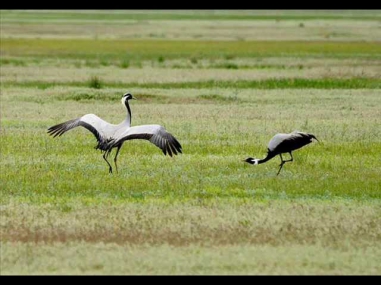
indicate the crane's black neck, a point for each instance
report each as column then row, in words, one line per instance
column 128, row 112
column 269, row 156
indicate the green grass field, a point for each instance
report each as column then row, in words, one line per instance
column 204, row 211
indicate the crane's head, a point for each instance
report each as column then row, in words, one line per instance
column 127, row 97
column 251, row 160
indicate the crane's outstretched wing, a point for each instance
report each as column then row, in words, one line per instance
column 90, row 121
column 156, row 134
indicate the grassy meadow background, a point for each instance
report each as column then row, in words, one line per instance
column 223, row 83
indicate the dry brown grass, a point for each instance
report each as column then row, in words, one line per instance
column 215, row 237
column 310, row 30
column 101, row 258
column 216, row 223
column 163, row 75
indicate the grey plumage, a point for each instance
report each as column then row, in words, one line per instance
column 284, row 143
column 111, row 136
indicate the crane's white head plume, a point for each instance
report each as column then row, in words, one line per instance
column 126, row 97
column 251, row 160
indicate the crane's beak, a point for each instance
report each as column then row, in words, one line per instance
column 132, row 97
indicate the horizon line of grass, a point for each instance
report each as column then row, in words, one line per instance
column 154, row 49
column 284, row 83
column 126, row 64
column 24, row 16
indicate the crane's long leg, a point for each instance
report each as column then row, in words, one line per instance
column 116, row 155
column 105, row 158
column 281, row 163
column 292, row 158
column 284, row 161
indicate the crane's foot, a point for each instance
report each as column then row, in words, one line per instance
column 110, row 170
